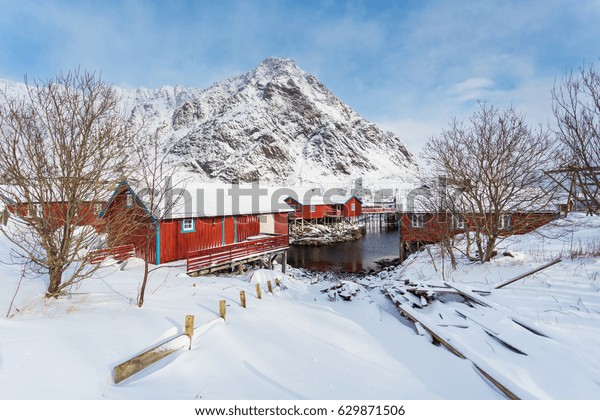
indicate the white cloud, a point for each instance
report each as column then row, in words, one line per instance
column 471, row 89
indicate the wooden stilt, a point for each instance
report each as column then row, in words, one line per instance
column 284, row 262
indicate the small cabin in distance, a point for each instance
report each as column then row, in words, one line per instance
column 317, row 207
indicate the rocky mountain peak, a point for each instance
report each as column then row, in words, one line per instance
column 275, row 123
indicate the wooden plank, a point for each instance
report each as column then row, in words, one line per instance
column 411, row 314
column 529, row 273
column 515, row 317
column 143, row 360
column 467, row 294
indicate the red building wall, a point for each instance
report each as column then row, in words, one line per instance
column 246, row 226
column 436, row 227
column 348, row 212
column 281, row 223
column 125, row 226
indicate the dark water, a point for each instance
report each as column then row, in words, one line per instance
column 350, row 257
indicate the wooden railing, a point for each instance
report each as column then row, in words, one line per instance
column 123, row 252
column 333, row 212
column 378, row 210
column 210, row 257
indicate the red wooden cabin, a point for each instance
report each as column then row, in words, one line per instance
column 197, row 222
column 320, row 207
column 434, row 227
column 55, row 211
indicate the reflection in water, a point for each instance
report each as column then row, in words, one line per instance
column 349, row 257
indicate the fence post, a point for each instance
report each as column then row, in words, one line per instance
column 258, row 291
column 270, row 286
column 222, row 310
column 189, row 328
column 243, row 298
column 277, row 282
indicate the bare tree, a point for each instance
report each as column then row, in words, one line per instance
column 576, row 107
column 497, row 163
column 160, row 194
column 61, row 141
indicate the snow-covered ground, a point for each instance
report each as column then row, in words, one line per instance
column 298, row 343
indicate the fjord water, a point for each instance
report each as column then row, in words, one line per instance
column 350, row 257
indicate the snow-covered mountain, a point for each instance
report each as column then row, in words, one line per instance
column 276, row 124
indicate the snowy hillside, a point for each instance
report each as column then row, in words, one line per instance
column 277, row 124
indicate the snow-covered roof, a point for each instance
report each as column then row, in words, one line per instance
column 431, row 200
column 13, row 194
column 209, row 200
column 319, row 200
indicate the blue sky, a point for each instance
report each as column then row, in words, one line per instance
column 409, row 66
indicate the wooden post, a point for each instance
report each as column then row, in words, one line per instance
column 258, row 291
column 241, row 269
column 284, row 262
column 243, row 298
column 269, row 262
column 189, row 328
column 222, row 309
column 277, row 282
column 270, row 286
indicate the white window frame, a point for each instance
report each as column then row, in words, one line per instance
column 352, row 206
column 505, row 221
column 191, row 225
column 37, row 210
column 417, row 220
column 128, row 200
column 458, row 221
column 98, row 208
column 312, row 208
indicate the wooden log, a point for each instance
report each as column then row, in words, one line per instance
column 243, row 298
column 149, row 357
column 529, row 273
column 258, row 291
column 223, row 309
column 270, row 286
column 189, row 328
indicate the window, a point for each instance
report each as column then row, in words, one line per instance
column 188, row 225
column 312, row 208
column 128, row 200
column 36, row 210
column 97, row 208
column 458, row 221
column 417, row 220
column 353, row 206
column 505, row 221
